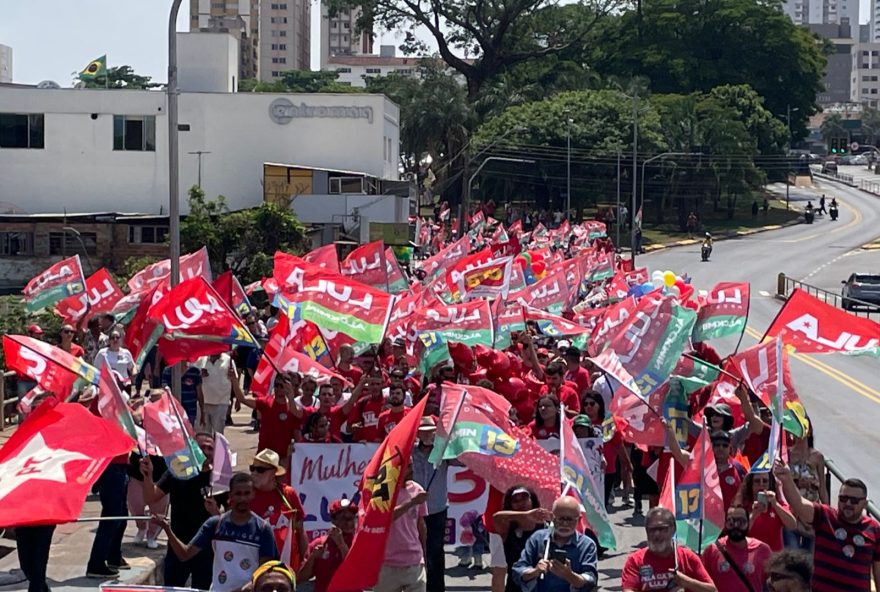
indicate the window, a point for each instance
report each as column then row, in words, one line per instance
column 274, row 46
column 278, row 19
column 16, row 244
column 276, row 73
column 374, row 70
column 279, row 60
column 346, row 25
column 282, row 33
column 274, row 7
column 282, row 46
column 67, row 243
column 282, row 6
column 343, row 70
column 147, row 234
column 333, row 25
column 21, row 130
column 134, row 132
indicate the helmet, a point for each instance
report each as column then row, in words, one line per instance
column 708, row 235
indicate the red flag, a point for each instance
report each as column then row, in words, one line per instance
column 289, row 360
column 142, row 331
column 469, row 323
column 100, row 295
column 516, row 227
column 52, row 368
column 455, row 272
column 758, row 365
column 279, row 339
column 50, row 463
column 229, row 289
column 383, row 478
column 367, row 265
column 192, row 265
column 325, row 257
column 60, row 281
column 488, row 280
column 814, row 327
column 446, row 256
column 550, row 294
column 112, row 405
column 614, row 321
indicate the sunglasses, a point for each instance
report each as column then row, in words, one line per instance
column 260, row 470
column 67, row 331
column 849, row 499
column 591, row 403
column 114, row 338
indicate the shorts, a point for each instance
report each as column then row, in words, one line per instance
column 496, row 551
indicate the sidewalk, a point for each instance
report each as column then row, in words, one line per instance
column 72, row 543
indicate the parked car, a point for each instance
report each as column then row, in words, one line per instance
column 829, row 167
column 864, row 287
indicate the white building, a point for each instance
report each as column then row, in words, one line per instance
column 5, row 63
column 865, row 81
column 827, row 12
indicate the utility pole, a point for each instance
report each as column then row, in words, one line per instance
column 635, row 147
column 568, row 122
column 173, row 169
column 199, row 154
column 617, row 241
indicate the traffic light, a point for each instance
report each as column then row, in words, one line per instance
column 835, row 144
column 844, row 147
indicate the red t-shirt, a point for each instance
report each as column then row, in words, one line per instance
column 335, row 414
column 328, row 562
column 566, row 395
column 76, row 351
column 731, row 479
column 581, row 377
column 542, row 433
column 845, row 553
column 756, row 445
column 366, row 412
column 271, row 506
column 277, row 425
column 388, row 419
column 767, row 527
column 645, row 570
column 750, row 560
column 353, row 374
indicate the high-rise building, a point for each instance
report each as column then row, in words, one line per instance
column 822, row 12
column 5, row 63
column 837, row 78
column 273, row 37
column 339, row 36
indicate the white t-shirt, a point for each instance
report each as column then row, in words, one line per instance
column 216, row 386
column 116, row 360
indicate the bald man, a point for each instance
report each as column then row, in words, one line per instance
column 571, row 562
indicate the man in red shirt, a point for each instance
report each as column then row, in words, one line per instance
column 327, row 553
column 847, row 544
column 395, row 412
column 736, row 561
column 345, row 367
column 364, row 418
column 730, row 472
column 337, row 414
column 555, row 384
column 654, row 567
column 575, row 372
column 278, row 426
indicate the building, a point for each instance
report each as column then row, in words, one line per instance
column 208, row 62
column 273, row 36
column 339, row 36
column 354, row 69
column 865, row 74
column 5, row 63
column 822, row 12
column 838, row 69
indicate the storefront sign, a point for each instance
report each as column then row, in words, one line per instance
column 282, row 111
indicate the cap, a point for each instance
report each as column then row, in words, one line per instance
column 520, row 491
column 542, row 351
column 270, row 458
column 720, row 409
column 35, row 329
column 342, row 505
column 562, row 344
column 427, row 424
column 582, row 421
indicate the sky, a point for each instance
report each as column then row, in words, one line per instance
column 52, row 39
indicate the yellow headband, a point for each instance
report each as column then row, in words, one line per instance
column 276, row 566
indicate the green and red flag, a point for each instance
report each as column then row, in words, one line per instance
column 508, row 318
column 695, row 497
column 469, row 323
column 230, row 289
column 432, row 349
column 191, row 265
column 100, row 295
column 397, row 283
column 724, row 312
column 60, row 281
column 51, row 367
column 550, row 294
column 112, row 405
column 383, row 478
column 170, row 432
column 367, row 264
column 556, row 326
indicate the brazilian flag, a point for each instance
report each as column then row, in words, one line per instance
column 96, row 68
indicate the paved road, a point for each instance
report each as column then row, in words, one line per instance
column 842, row 395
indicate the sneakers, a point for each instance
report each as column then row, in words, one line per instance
column 123, row 564
column 102, row 571
column 478, row 562
column 152, row 543
column 140, row 537
column 464, row 561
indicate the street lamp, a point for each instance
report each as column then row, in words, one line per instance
column 199, row 153
column 82, row 243
column 470, row 183
column 568, row 122
column 788, row 111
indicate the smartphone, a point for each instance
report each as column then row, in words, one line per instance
column 559, row 555
column 762, row 498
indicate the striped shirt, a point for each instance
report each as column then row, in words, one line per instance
column 844, row 552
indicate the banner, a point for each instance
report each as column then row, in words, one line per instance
column 100, row 295
column 724, row 313
column 367, row 265
column 490, row 280
column 191, row 265
column 325, row 257
column 469, row 323
column 322, row 473
column 62, row 280
column 550, row 294
column 52, row 368
column 810, row 326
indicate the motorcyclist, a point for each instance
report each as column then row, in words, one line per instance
column 809, row 207
column 707, row 245
column 833, row 202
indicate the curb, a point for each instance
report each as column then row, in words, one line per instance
column 723, row 236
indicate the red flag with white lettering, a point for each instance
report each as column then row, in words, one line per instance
column 367, row 265
column 52, row 368
column 191, row 265
column 48, row 466
column 813, row 327
column 60, row 281
column 100, row 295
column 325, row 257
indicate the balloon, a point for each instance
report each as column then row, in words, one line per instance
column 674, row 290
column 516, row 366
column 521, row 261
column 657, row 282
column 536, row 257
column 475, row 377
column 657, row 274
column 483, row 355
column 461, row 355
column 538, row 267
column 668, row 278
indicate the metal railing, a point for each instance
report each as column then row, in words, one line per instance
column 869, row 186
column 816, row 170
column 786, row 285
column 833, row 470
column 5, row 402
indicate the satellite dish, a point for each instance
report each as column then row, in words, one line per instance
column 48, row 84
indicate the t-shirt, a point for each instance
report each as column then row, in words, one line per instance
column 328, row 562
column 543, row 433
column 366, row 412
column 404, row 548
column 767, row 527
column 335, row 414
column 750, row 560
column 353, row 374
column 189, row 395
column 187, row 501
column 76, row 351
column 388, row 419
column 844, row 552
column 277, row 425
column 581, row 377
column 271, row 507
column 116, row 360
column 216, row 386
column 566, row 395
column 731, row 479
column 254, row 534
column 645, row 570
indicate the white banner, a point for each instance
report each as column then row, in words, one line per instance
column 322, row 473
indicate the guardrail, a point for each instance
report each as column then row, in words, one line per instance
column 832, row 470
column 816, row 170
column 870, row 186
column 6, row 401
column 786, row 285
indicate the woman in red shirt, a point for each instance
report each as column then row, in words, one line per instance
column 317, row 429
column 768, row 516
column 546, row 423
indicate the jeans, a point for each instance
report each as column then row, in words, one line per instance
column 199, row 567
column 435, row 560
column 33, row 544
column 112, row 486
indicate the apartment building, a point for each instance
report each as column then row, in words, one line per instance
column 822, row 12
column 339, row 36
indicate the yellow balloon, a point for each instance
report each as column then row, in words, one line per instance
column 669, row 278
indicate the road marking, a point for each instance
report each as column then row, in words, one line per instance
column 827, row 263
column 764, row 293
column 857, row 218
column 833, row 373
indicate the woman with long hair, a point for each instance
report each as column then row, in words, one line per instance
column 767, row 514
column 547, row 418
column 317, row 429
column 616, row 459
column 808, row 469
column 521, row 515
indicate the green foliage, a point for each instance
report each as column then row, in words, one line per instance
column 243, row 241
column 132, row 265
column 14, row 320
column 122, row 77
column 299, row 81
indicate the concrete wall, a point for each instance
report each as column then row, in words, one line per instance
column 79, row 170
column 5, row 63
column 207, row 62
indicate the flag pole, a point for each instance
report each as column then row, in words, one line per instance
column 718, row 369
column 745, row 324
column 674, row 512
column 189, row 443
column 112, row 518
column 562, row 448
column 702, row 492
column 455, row 415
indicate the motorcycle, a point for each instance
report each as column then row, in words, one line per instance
column 809, row 216
column 705, row 252
column 832, row 211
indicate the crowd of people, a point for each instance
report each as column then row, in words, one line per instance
column 780, row 533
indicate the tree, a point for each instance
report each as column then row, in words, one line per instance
column 299, row 81
column 686, row 46
column 122, row 77
column 243, row 241
column 832, row 127
column 498, row 33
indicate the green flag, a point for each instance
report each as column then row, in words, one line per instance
column 96, row 68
